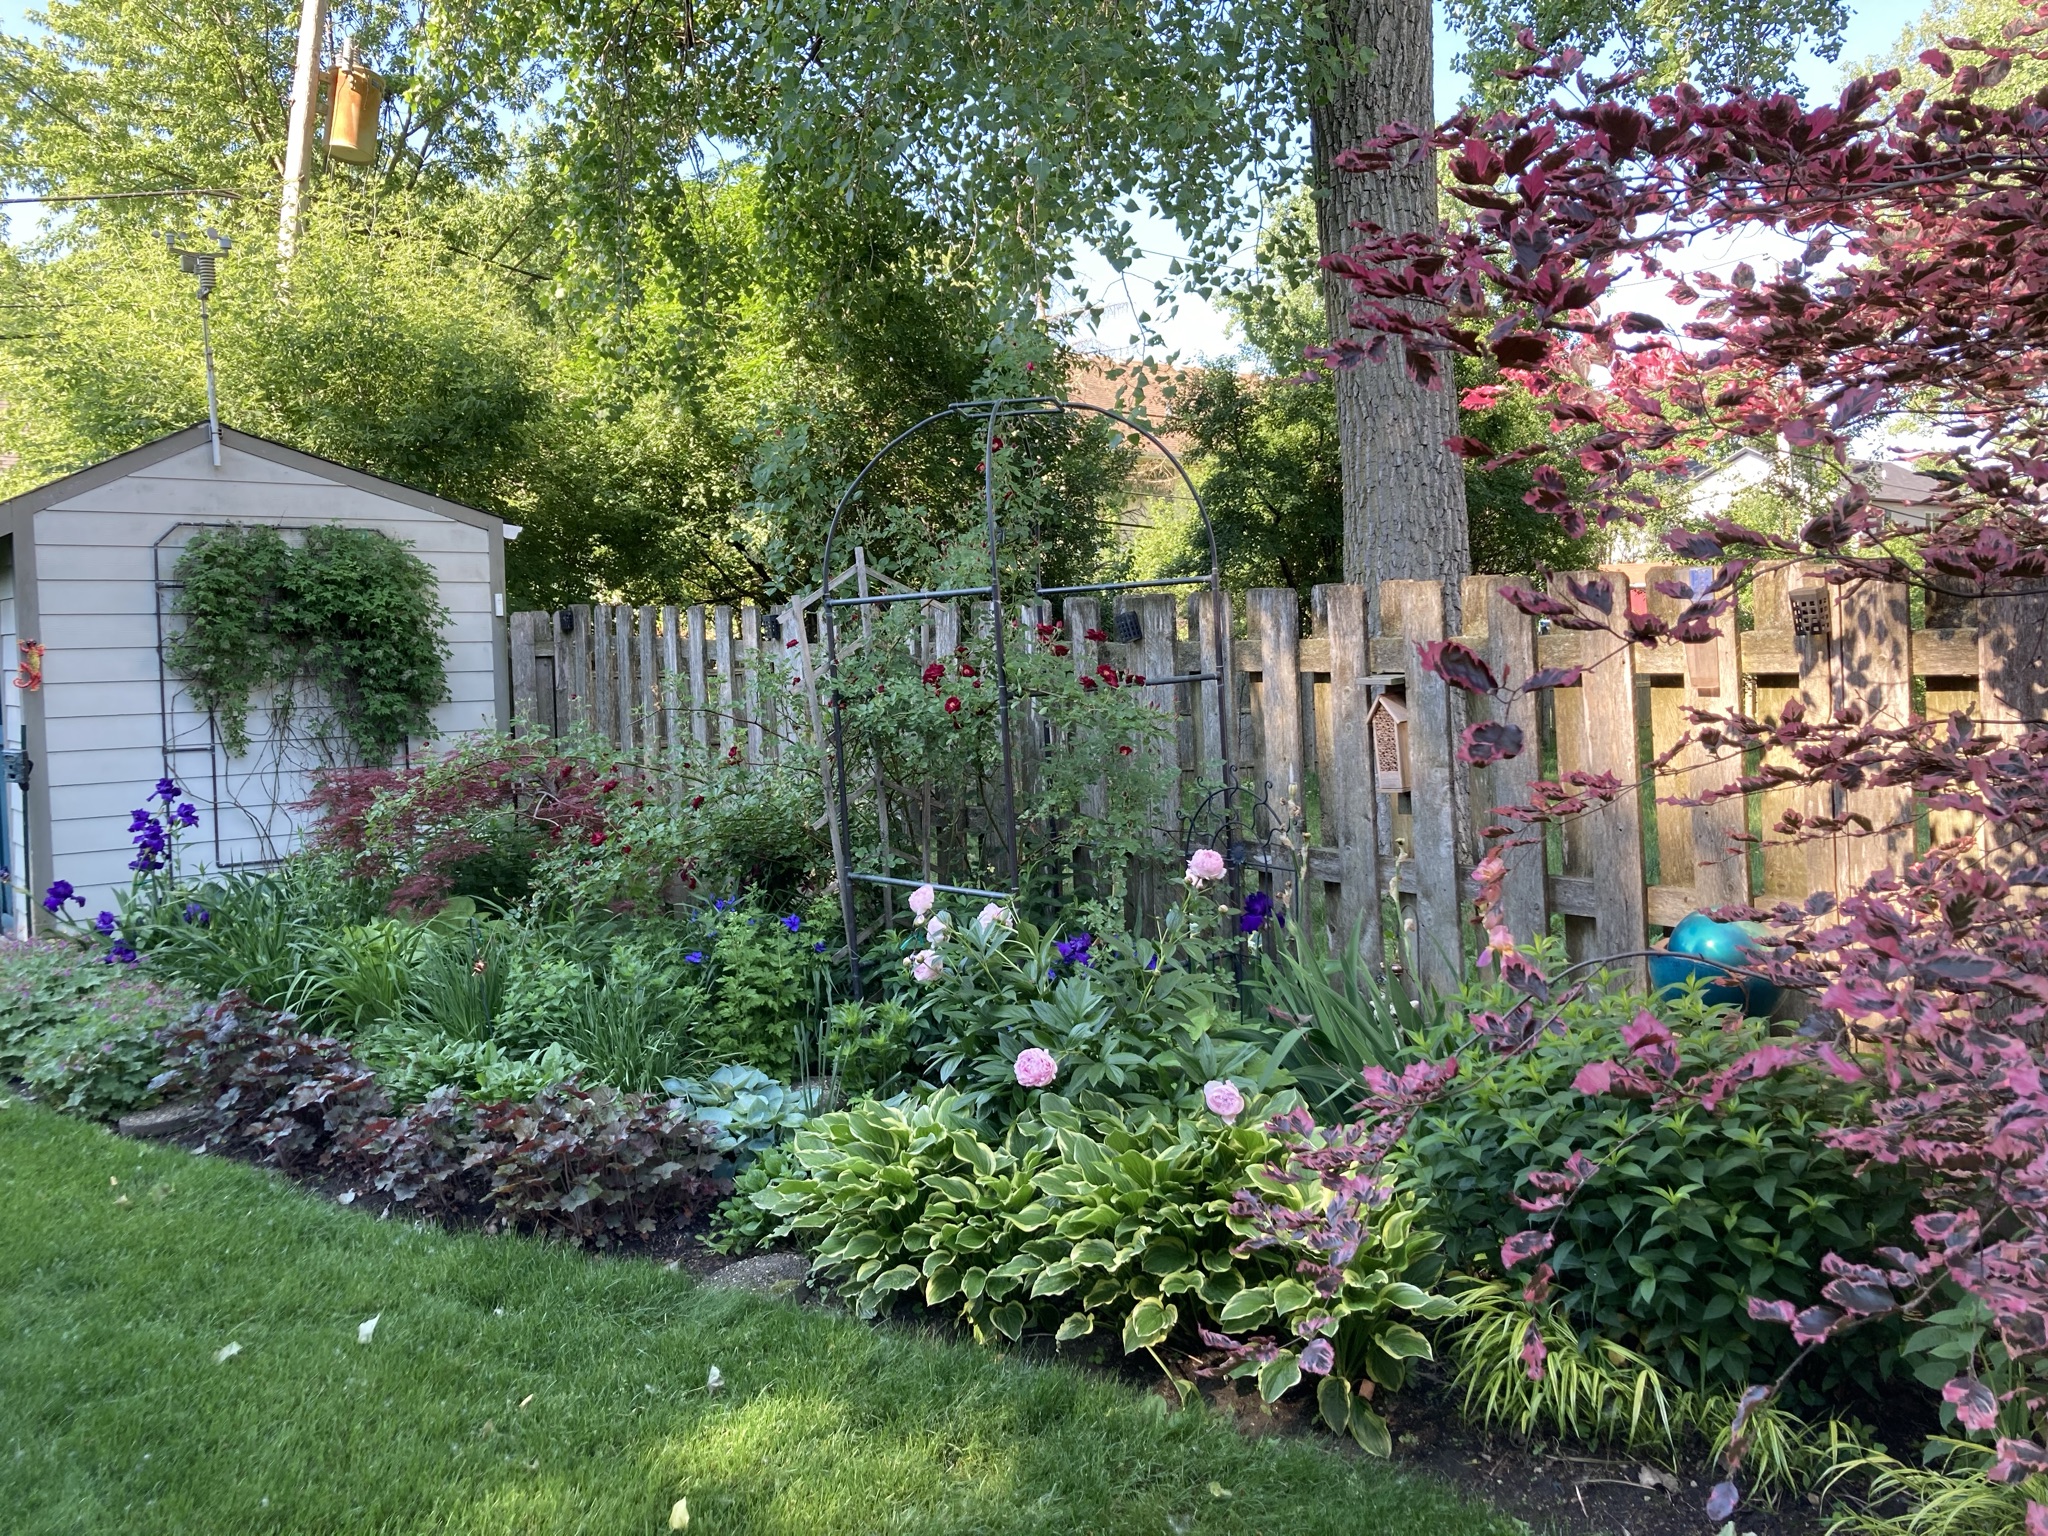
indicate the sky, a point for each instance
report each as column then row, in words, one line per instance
column 1201, row 333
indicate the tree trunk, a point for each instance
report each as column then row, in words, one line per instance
column 1404, row 492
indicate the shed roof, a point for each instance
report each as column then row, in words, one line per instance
column 17, row 512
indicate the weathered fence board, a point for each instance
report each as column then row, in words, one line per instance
column 725, row 680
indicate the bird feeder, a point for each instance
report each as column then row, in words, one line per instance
column 356, row 96
column 1809, row 610
column 1387, row 725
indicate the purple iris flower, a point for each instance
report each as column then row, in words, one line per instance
column 59, row 893
column 167, row 791
column 122, row 953
column 1074, row 951
column 197, row 915
column 1257, row 908
column 104, row 923
column 187, row 814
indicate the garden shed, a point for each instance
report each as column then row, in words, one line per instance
column 94, row 715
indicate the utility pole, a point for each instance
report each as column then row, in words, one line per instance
column 298, row 146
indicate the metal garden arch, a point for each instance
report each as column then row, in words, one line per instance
column 1215, row 666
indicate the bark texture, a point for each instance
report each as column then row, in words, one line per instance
column 1404, row 492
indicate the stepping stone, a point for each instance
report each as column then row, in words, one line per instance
column 769, row 1274
column 163, row 1122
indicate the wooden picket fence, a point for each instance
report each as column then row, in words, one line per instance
column 728, row 682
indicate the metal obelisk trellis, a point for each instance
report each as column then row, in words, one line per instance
column 1215, row 666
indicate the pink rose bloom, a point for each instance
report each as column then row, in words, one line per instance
column 927, row 965
column 1036, row 1068
column 921, row 901
column 1204, row 867
column 1223, row 1099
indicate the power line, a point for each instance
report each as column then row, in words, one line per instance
column 106, row 197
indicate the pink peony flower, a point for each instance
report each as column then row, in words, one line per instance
column 927, row 965
column 936, row 930
column 994, row 915
column 921, row 901
column 1205, row 866
column 1223, row 1099
column 1036, row 1068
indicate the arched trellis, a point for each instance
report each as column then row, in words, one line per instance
column 1214, row 666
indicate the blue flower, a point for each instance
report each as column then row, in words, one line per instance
column 792, row 922
column 1074, row 951
column 59, row 893
column 1257, row 908
column 818, row 948
column 167, row 791
column 104, row 923
column 694, row 957
column 187, row 814
column 721, row 904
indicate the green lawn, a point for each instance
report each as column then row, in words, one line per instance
column 115, row 1415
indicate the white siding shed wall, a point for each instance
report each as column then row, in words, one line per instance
column 14, row 856
column 97, row 569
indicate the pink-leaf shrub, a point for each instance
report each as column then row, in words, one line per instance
column 1920, row 249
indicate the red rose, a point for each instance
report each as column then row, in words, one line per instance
column 1123, row 751
column 935, row 674
column 1087, row 682
column 597, row 839
column 1094, row 634
column 699, row 800
column 952, row 706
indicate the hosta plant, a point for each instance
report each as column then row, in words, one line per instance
column 1094, row 1219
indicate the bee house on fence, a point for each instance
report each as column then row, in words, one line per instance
column 91, row 713
column 1387, row 728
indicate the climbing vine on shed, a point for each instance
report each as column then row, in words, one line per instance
column 350, row 611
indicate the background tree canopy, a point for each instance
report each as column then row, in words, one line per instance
column 654, row 283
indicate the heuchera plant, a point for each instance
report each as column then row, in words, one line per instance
column 1921, row 249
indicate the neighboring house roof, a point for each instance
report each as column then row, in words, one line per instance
column 17, row 511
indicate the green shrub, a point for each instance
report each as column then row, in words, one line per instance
column 1096, row 1219
column 740, row 1225
column 750, row 1109
column 1139, row 1020
column 1691, row 1211
column 759, row 969
column 79, row 1031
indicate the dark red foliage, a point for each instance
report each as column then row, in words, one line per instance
column 595, row 1163
column 433, row 818
column 592, row 1163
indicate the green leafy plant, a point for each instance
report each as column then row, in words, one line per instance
column 1142, row 1020
column 1090, row 1218
column 349, row 610
column 740, row 1225
column 80, row 1033
column 749, row 1109
column 1349, row 1018
column 1687, row 1212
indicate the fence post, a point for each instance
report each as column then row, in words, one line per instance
column 1620, row 919
column 671, row 665
column 1817, row 695
column 646, row 697
column 1873, row 671
column 1351, row 798
column 2012, row 670
column 728, row 685
column 700, row 688
column 526, row 711
column 604, row 696
column 1273, row 626
column 573, row 668
column 750, row 646
column 1511, row 652
column 1418, row 607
